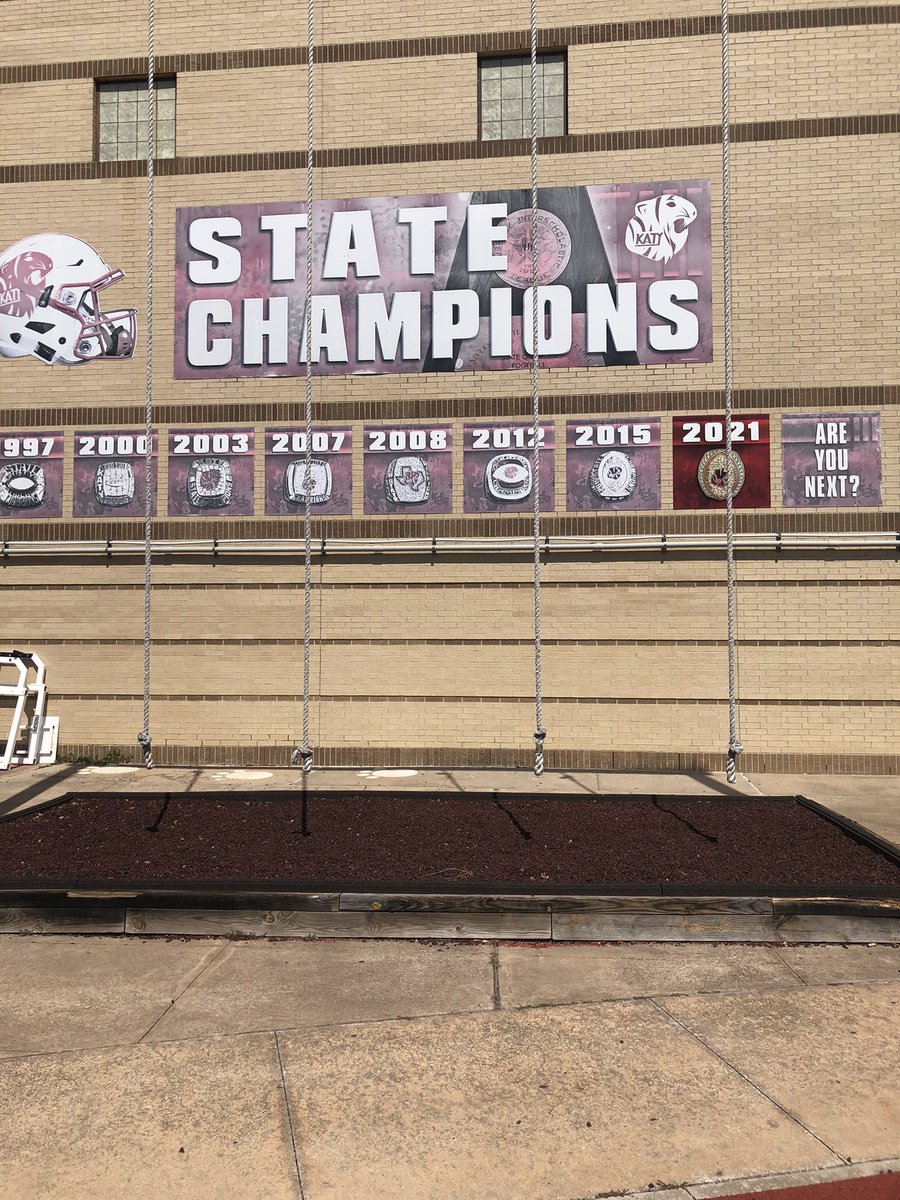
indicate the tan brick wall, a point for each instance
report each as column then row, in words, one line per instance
column 635, row 653
column 47, row 122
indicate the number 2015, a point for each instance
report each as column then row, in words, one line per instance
column 611, row 435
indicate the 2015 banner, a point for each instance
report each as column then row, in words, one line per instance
column 443, row 282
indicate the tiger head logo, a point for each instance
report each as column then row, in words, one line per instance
column 22, row 281
column 659, row 227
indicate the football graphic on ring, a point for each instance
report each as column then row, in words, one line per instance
column 22, row 485
column 508, row 477
column 715, row 477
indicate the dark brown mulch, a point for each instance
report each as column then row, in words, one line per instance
column 431, row 839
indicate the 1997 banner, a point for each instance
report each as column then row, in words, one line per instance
column 443, row 282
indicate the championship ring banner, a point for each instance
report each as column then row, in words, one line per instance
column 831, row 460
column 110, row 473
column 498, row 468
column 612, row 464
column 701, row 470
column 408, row 469
column 31, row 474
column 210, row 473
column 330, row 472
column 442, row 282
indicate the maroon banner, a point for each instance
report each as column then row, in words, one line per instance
column 31, row 474
column 408, row 469
column 498, row 468
column 110, row 473
column 331, row 472
column 211, row 472
column 831, row 460
column 612, row 465
column 700, row 469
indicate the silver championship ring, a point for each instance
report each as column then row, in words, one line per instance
column 210, row 483
column 406, row 481
column 114, row 484
column 508, row 477
column 319, row 481
column 613, row 476
column 716, row 476
column 22, row 485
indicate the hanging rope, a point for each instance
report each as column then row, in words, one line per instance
column 303, row 753
column 539, row 731
column 734, row 745
column 149, row 488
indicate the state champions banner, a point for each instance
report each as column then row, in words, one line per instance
column 442, row 282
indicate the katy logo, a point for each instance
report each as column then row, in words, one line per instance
column 22, row 279
column 659, row 227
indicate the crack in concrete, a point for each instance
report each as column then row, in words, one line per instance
column 190, row 983
column 290, row 1115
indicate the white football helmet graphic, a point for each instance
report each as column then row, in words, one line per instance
column 659, row 227
column 50, row 303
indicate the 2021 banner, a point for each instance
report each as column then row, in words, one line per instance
column 31, row 474
column 613, row 464
column 831, row 460
column 110, row 473
column 702, row 472
column 443, row 282
column 330, row 476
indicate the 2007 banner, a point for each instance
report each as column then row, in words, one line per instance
column 443, row 282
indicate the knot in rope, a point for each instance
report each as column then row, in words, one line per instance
column 303, row 757
column 144, row 741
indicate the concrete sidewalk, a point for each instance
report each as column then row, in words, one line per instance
column 410, row 1071
column 873, row 801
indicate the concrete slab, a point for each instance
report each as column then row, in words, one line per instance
column 842, row 964
column 270, row 985
column 532, row 1105
column 574, row 974
column 203, row 1120
column 73, row 993
column 829, row 1055
column 870, row 800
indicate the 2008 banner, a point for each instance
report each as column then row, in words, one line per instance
column 443, row 282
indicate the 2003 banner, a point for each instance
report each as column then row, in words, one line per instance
column 443, row 282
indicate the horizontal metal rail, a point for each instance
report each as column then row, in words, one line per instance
column 651, row 543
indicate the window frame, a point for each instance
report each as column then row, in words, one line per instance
column 100, row 81
column 562, row 52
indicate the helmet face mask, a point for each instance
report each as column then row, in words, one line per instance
column 50, row 306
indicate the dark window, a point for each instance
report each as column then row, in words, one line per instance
column 122, row 119
column 504, row 96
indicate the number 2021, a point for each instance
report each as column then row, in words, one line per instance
column 714, row 431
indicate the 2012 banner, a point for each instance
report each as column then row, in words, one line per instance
column 443, row 282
